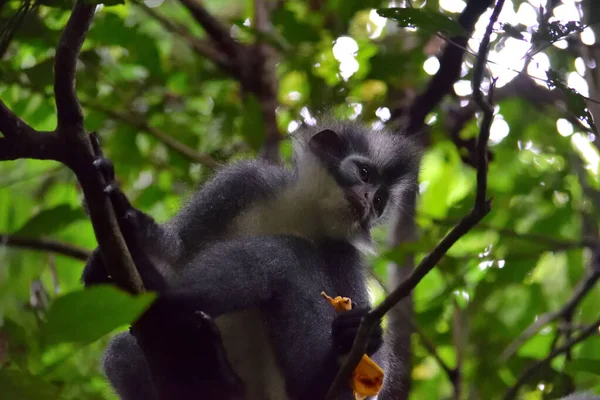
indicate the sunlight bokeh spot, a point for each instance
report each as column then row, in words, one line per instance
column 564, row 127
column 431, row 65
column 344, row 50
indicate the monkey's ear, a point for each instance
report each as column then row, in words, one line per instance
column 327, row 142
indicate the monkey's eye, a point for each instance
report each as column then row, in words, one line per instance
column 364, row 173
column 378, row 203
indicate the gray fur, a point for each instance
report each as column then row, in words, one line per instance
column 256, row 245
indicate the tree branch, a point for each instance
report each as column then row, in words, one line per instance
column 70, row 145
column 449, row 70
column 215, row 30
column 200, row 46
column 72, row 38
column 480, row 209
column 252, row 66
column 584, row 334
column 429, row 345
column 555, row 243
column 266, row 87
column 432, row 350
column 581, row 290
column 158, row 134
column 49, row 245
column 11, row 125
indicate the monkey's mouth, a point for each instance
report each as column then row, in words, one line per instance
column 357, row 205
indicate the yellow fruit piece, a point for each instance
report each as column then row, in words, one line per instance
column 339, row 303
column 367, row 377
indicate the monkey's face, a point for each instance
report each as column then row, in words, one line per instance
column 370, row 169
column 363, row 188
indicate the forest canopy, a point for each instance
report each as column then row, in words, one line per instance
column 176, row 88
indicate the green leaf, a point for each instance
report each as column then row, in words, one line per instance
column 292, row 28
column 514, row 31
column 575, row 102
column 583, row 364
column 84, row 316
column 51, row 220
column 423, row 19
column 555, row 31
column 20, row 385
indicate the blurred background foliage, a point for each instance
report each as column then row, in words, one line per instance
column 139, row 82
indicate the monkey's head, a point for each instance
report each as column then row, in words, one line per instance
column 359, row 176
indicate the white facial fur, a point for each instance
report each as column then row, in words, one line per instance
column 314, row 206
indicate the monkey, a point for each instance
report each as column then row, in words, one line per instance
column 257, row 244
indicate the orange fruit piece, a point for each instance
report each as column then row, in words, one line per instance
column 367, row 377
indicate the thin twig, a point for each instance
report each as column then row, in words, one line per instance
column 158, row 134
column 555, row 243
column 480, row 209
column 431, row 349
column 583, row 287
column 141, row 124
column 41, row 244
column 200, row 46
column 215, row 30
column 429, row 345
column 584, row 334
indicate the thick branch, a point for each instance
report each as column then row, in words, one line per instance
column 49, row 245
column 448, row 73
column 587, row 332
column 39, row 146
column 69, row 111
column 70, row 145
column 266, row 89
column 11, row 125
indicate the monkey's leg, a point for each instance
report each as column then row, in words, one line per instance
column 182, row 349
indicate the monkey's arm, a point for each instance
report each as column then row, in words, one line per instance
column 202, row 221
column 236, row 275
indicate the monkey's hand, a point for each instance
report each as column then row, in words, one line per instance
column 95, row 271
column 140, row 232
column 345, row 327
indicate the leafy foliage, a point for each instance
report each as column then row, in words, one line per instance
column 575, row 101
column 116, row 307
column 422, row 18
column 137, row 78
